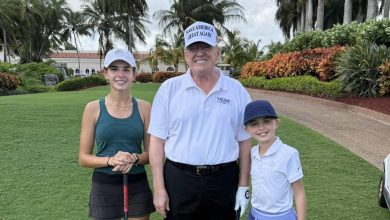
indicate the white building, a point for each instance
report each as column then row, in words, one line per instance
column 90, row 62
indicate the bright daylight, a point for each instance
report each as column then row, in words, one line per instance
column 195, row 110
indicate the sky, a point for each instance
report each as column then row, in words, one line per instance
column 260, row 16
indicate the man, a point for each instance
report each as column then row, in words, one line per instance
column 197, row 124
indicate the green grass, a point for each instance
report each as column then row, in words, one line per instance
column 41, row 179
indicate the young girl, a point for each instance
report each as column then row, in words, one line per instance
column 117, row 123
column 276, row 170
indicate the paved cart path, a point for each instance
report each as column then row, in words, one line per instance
column 365, row 132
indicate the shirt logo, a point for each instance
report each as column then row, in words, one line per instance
column 223, row 100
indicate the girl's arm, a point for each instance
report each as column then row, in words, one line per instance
column 144, row 109
column 87, row 138
column 300, row 199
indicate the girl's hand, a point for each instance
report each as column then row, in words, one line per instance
column 120, row 158
column 123, row 168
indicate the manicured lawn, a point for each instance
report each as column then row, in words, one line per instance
column 41, row 179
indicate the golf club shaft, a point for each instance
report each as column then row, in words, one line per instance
column 125, row 195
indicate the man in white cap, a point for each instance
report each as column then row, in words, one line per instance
column 197, row 125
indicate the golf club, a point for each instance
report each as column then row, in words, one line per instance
column 125, row 196
column 238, row 214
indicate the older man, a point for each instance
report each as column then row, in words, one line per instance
column 197, row 125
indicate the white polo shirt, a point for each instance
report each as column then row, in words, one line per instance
column 200, row 129
column 272, row 175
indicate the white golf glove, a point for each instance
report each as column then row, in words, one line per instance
column 242, row 199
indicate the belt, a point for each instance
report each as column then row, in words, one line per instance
column 201, row 170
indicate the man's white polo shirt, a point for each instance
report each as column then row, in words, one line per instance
column 199, row 129
column 272, row 175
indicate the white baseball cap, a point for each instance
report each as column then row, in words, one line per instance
column 200, row 32
column 119, row 54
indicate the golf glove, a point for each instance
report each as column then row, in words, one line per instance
column 242, row 199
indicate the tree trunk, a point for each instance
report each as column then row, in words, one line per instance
column 5, row 45
column 347, row 18
column 320, row 16
column 77, row 50
column 130, row 35
column 371, row 9
column 309, row 15
column 303, row 15
column 386, row 6
column 361, row 14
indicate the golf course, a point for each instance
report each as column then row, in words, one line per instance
column 42, row 179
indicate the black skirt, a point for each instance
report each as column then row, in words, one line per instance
column 106, row 198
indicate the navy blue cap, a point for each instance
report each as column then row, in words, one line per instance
column 259, row 108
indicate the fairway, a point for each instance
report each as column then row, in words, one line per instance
column 41, row 177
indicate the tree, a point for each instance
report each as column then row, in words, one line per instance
column 347, row 12
column 100, row 19
column 183, row 13
column 320, row 15
column 73, row 28
column 309, row 15
column 288, row 16
column 38, row 28
column 386, row 5
column 7, row 8
column 237, row 51
column 132, row 15
column 372, row 6
column 170, row 52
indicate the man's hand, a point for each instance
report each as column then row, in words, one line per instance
column 242, row 199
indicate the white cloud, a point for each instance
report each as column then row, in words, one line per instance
column 260, row 15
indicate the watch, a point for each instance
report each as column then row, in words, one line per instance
column 136, row 159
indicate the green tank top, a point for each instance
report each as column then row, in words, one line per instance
column 117, row 134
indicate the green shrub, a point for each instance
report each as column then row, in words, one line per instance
column 160, row 77
column 358, row 68
column 81, row 83
column 6, row 68
column 143, row 77
column 38, row 70
column 37, row 88
column 373, row 31
column 301, row 84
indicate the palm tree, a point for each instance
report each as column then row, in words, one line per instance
column 347, row 12
column 372, row 7
column 132, row 17
column 386, row 6
column 100, row 19
column 7, row 7
column 38, row 28
column 252, row 50
column 73, row 28
column 288, row 16
column 320, row 15
column 309, row 15
column 170, row 52
column 233, row 51
column 183, row 13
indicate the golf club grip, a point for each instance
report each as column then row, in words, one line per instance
column 125, row 196
column 238, row 213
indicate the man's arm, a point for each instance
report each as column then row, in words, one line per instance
column 156, row 160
